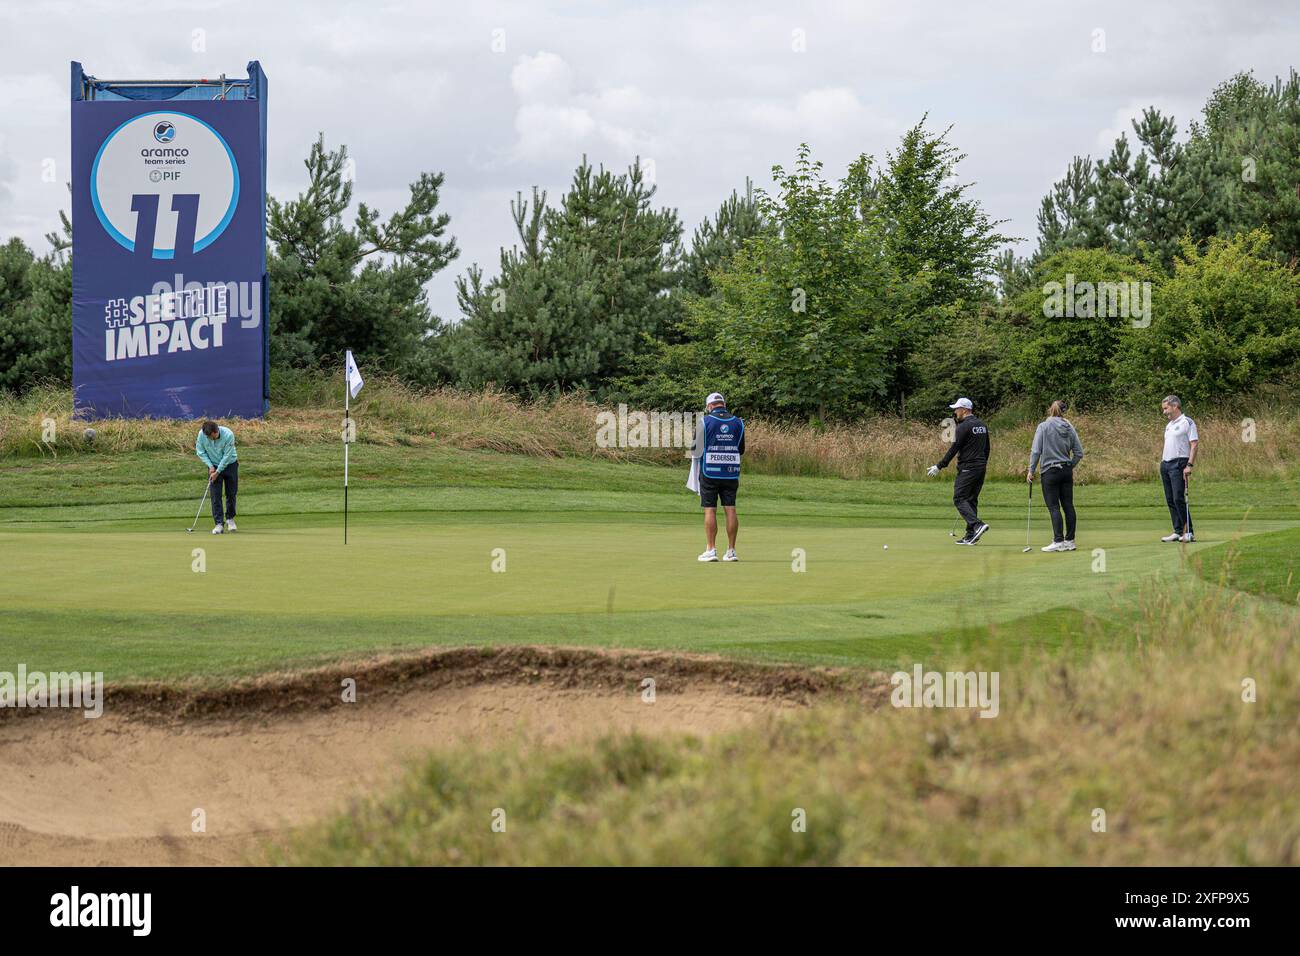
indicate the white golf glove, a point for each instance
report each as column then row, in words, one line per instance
column 932, row 471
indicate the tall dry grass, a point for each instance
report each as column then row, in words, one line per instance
column 1120, row 446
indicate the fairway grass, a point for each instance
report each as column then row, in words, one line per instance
column 1265, row 564
column 97, row 572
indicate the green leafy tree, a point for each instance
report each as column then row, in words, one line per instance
column 935, row 236
column 932, row 229
column 974, row 356
column 810, row 312
column 678, row 368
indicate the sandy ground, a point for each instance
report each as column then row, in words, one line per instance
column 122, row 789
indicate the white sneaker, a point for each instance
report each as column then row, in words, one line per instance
column 217, row 530
column 710, row 555
column 1170, row 538
column 1187, row 538
column 1067, row 546
column 230, row 525
column 730, row 555
column 1054, row 546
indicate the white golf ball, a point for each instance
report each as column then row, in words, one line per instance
column 886, row 547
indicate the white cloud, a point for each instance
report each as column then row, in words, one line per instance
column 829, row 109
column 8, row 172
column 543, row 78
column 550, row 131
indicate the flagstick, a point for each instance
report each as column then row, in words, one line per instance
column 347, row 417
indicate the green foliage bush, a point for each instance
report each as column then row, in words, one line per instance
column 1071, row 355
column 1226, row 323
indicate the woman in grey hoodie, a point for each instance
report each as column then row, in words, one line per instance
column 1057, row 450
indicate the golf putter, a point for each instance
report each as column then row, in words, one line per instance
column 1187, row 506
column 202, row 502
column 1029, row 516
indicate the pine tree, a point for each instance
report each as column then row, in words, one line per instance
column 583, row 294
column 1238, row 171
column 36, row 312
column 717, row 239
column 533, row 328
column 359, row 287
column 1065, row 219
column 1243, row 166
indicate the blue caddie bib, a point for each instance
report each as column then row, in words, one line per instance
column 722, row 434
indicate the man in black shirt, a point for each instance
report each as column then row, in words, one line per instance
column 971, row 446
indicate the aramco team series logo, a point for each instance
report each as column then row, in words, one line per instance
column 164, row 185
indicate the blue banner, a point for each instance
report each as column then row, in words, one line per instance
column 169, row 250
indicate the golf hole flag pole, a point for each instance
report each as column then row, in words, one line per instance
column 352, row 384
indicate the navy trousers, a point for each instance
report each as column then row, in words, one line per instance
column 1171, row 476
column 229, row 481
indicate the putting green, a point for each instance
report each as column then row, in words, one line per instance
column 106, row 578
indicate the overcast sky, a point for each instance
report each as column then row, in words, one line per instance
column 504, row 96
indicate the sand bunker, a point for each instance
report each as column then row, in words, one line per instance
column 263, row 756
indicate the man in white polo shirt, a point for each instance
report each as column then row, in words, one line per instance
column 1176, row 467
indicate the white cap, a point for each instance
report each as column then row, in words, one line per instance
column 962, row 403
column 714, row 397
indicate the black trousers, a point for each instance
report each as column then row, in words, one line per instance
column 1171, row 476
column 966, row 496
column 1058, row 495
column 229, row 480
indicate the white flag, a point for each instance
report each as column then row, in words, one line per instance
column 355, row 381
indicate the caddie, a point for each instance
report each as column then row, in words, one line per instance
column 719, row 446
